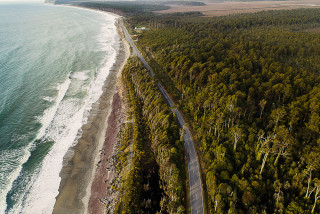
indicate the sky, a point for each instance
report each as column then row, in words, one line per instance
column 22, row 1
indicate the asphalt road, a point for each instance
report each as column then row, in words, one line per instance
column 196, row 196
column 134, row 48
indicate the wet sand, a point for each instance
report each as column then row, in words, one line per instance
column 103, row 176
column 80, row 171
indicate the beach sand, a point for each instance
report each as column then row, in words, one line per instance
column 103, row 177
column 82, row 178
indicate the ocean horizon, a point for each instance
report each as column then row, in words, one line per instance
column 54, row 61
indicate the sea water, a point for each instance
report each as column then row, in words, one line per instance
column 53, row 64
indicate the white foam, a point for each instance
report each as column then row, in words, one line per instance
column 23, row 158
column 81, row 75
column 49, row 99
column 41, row 198
column 106, row 34
column 19, row 160
column 65, row 121
column 50, row 113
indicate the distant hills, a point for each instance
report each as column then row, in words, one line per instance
column 186, row 2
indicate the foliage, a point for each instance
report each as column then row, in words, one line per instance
column 154, row 130
column 124, row 7
column 187, row 3
column 250, row 87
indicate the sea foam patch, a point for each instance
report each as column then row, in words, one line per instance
column 48, row 99
column 81, row 75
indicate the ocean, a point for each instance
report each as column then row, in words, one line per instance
column 53, row 64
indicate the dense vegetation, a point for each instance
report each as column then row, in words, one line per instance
column 247, row 0
column 250, row 87
column 128, row 9
column 187, row 3
column 157, row 151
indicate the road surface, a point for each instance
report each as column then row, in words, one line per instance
column 134, row 47
column 196, row 196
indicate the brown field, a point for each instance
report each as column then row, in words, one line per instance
column 312, row 30
column 226, row 8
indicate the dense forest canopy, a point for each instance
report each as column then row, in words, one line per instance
column 250, row 87
column 155, row 180
column 127, row 8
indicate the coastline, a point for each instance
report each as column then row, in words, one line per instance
column 103, row 176
column 80, row 177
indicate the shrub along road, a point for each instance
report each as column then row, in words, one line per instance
column 196, row 196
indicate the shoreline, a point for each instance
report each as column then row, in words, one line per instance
column 103, row 176
column 79, row 170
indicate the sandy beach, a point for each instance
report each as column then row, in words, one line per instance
column 103, row 176
column 84, row 176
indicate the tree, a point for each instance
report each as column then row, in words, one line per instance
column 282, row 142
column 230, row 106
column 262, row 104
column 248, row 198
column 218, row 125
column 213, row 61
column 236, row 132
column 265, row 148
column 278, row 196
column 276, row 116
column 316, row 194
column 312, row 160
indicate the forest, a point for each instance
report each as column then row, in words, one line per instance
column 155, row 177
column 124, row 8
column 249, row 85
